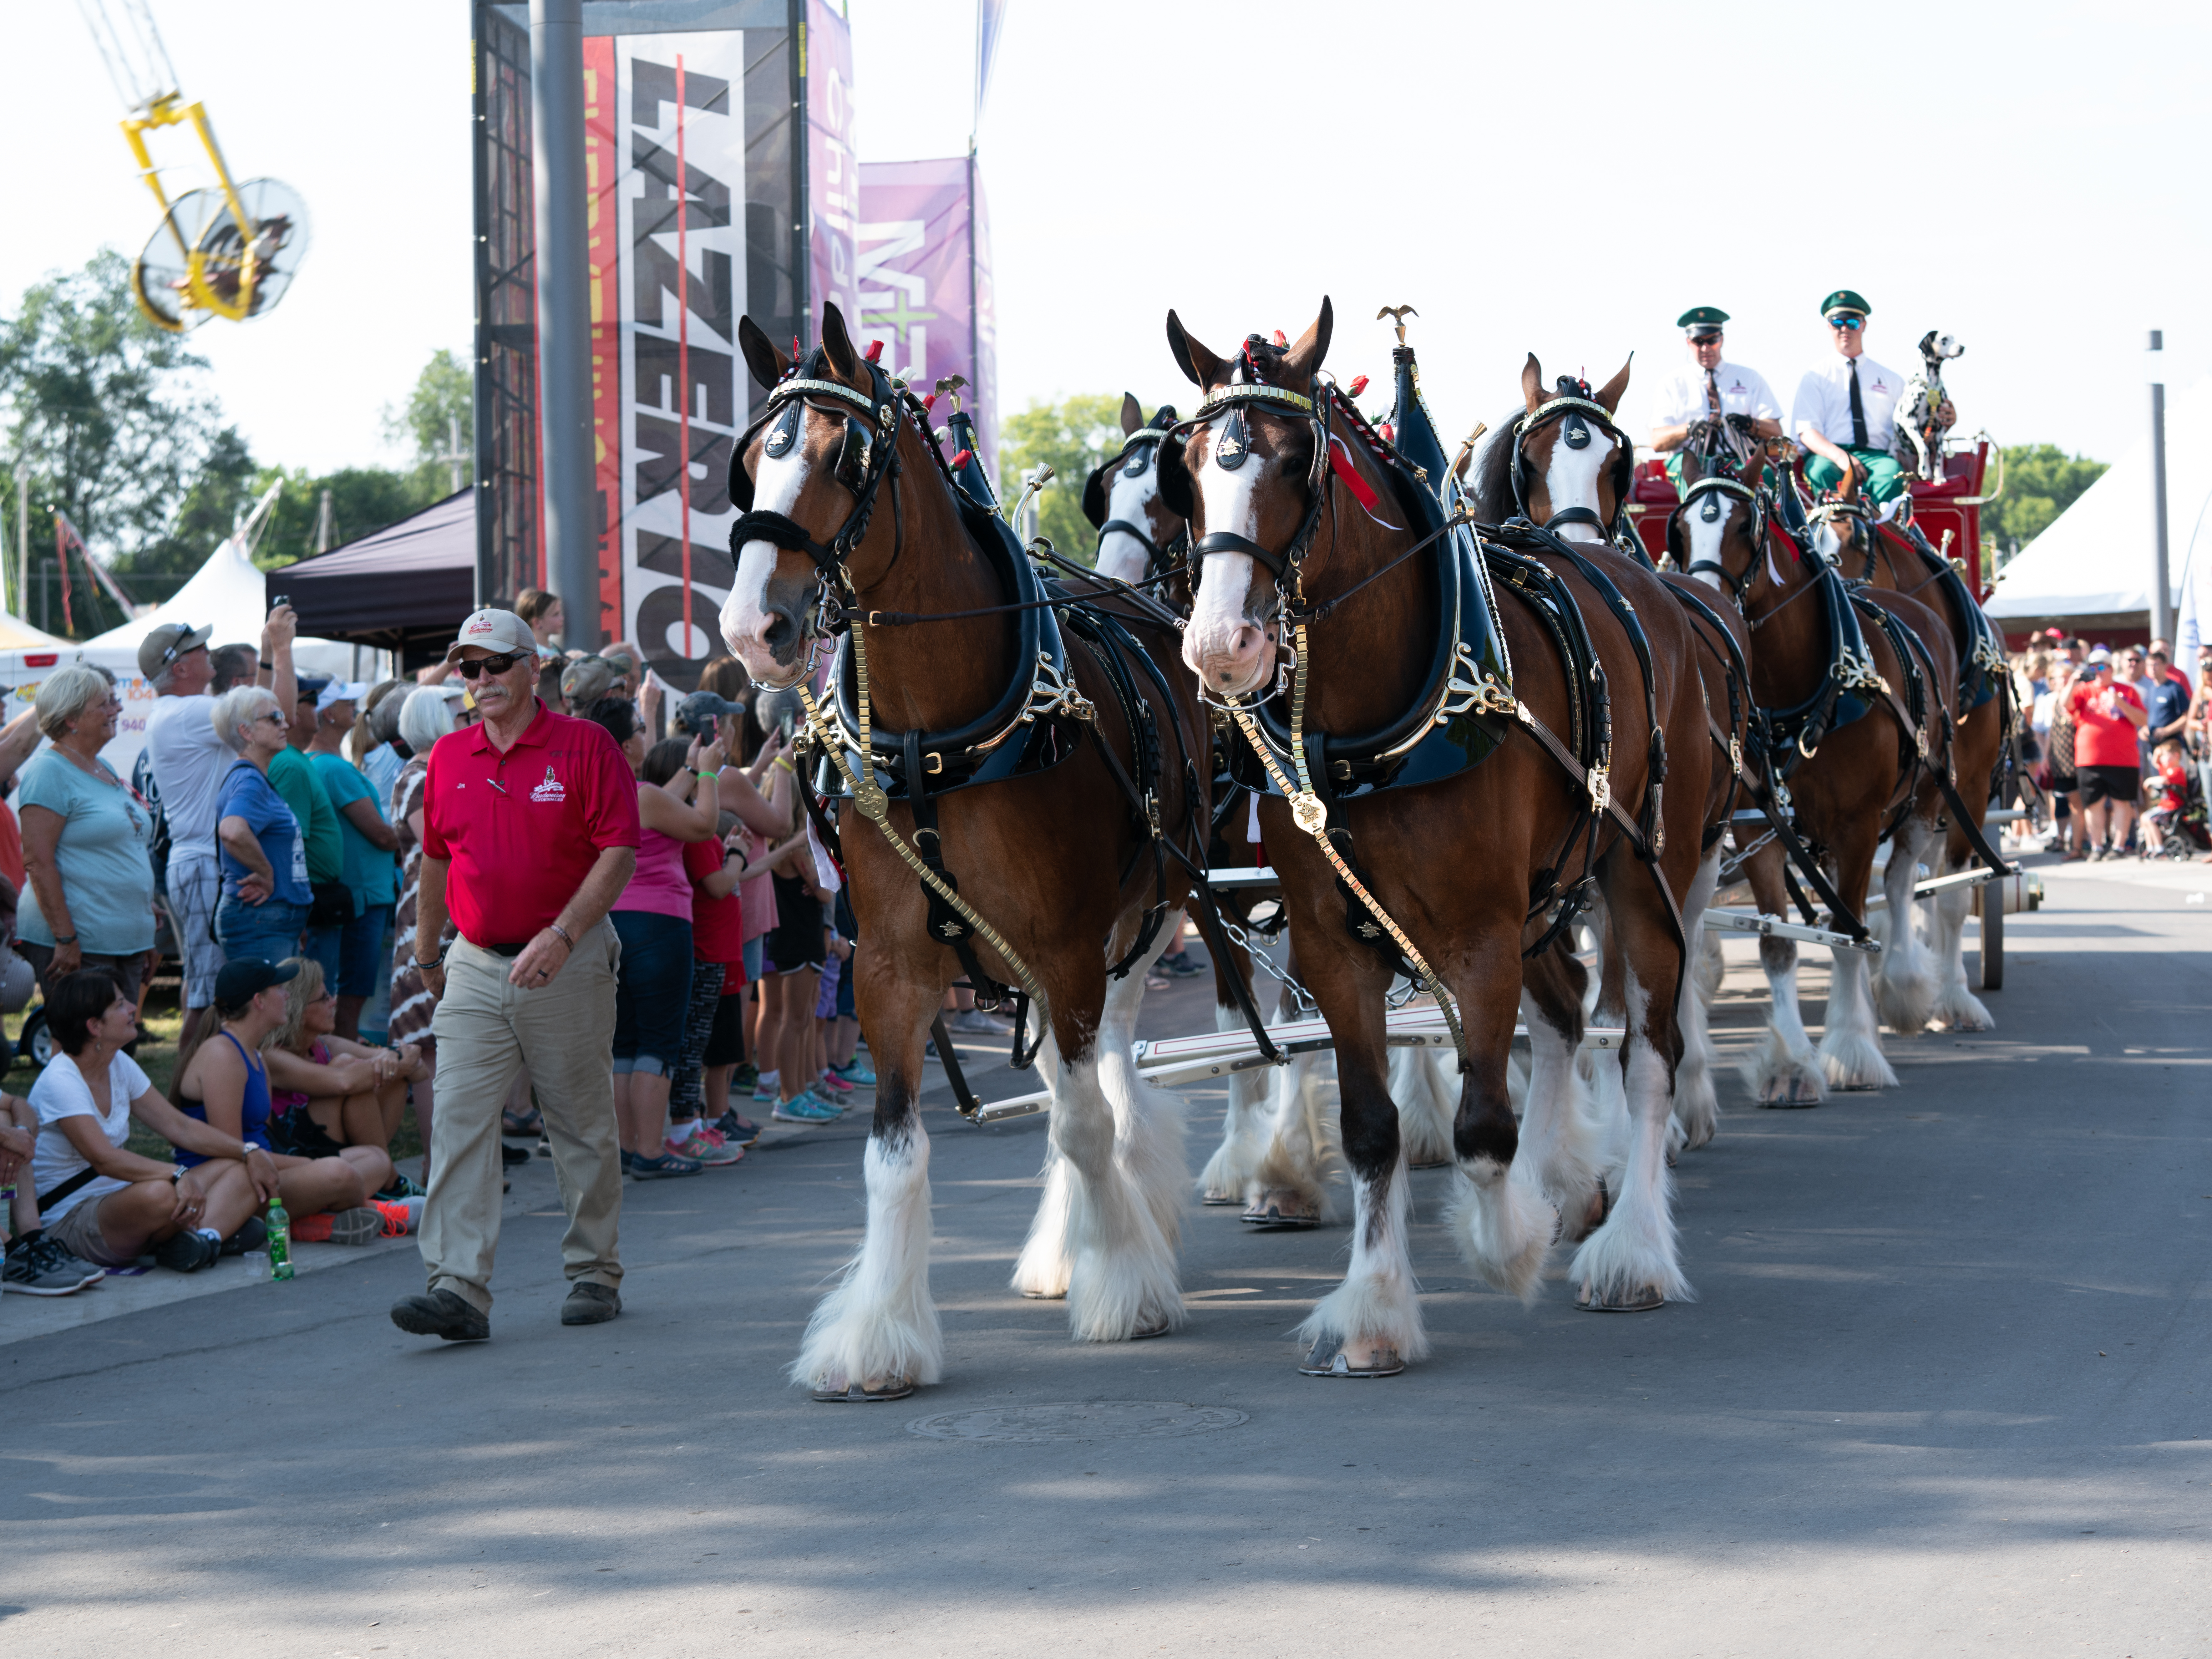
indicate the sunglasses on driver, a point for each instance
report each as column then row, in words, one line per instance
column 469, row 668
column 1847, row 322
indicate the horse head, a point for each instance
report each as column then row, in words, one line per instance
column 1250, row 479
column 1842, row 532
column 1713, row 536
column 1572, row 466
column 805, row 477
column 1138, row 531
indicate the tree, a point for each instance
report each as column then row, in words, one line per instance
column 104, row 408
column 363, row 501
column 2041, row 481
column 1075, row 437
column 225, row 487
column 440, row 405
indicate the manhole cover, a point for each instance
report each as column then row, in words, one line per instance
column 1099, row 1419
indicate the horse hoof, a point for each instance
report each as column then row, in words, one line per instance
column 1640, row 1298
column 1215, row 1196
column 1432, row 1163
column 1147, row 1333
column 1042, row 1296
column 834, row 1392
column 1282, row 1212
column 1327, row 1358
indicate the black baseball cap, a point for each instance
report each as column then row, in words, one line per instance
column 243, row 977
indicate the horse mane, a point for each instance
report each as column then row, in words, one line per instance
column 1492, row 480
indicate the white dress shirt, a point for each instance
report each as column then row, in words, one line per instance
column 1743, row 391
column 1824, row 403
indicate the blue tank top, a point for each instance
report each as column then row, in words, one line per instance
column 252, row 1111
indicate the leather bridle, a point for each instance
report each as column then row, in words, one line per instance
column 1233, row 450
column 1576, row 414
column 1709, row 490
column 1139, row 451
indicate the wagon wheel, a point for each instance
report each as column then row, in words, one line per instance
column 1989, row 903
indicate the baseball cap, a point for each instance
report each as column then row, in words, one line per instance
column 2099, row 658
column 702, row 708
column 341, row 691
column 587, row 679
column 168, row 642
column 309, row 687
column 497, row 631
column 245, row 976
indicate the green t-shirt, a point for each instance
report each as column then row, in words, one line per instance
column 371, row 873
column 293, row 777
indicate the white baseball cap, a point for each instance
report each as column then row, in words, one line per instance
column 341, row 691
column 497, row 631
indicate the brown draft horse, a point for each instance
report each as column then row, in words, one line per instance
column 1889, row 563
column 1454, row 861
column 1579, row 491
column 1865, row 778
column 850, row 502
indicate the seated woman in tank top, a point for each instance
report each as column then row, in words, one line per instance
column 327, row 1092
column 224, row 1082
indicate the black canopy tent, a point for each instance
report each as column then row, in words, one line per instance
column 407, row 588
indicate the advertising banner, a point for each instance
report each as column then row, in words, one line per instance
column 833, row 169
column 924, row 281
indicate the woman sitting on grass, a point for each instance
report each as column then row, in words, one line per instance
column 224, row 1082
column 328, row 1093
column 105, row 1204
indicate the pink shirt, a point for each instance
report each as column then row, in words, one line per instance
column 659, row 883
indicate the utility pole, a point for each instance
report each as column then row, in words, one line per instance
column 2161, row 587
column 564, row 402
column 23, row 541
column 455, row 457
column 325, row 525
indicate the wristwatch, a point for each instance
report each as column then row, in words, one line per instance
column 176, row 1173
column 438, row 961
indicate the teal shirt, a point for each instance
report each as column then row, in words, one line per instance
column 293, row 777
column 371, row 873
column 107, row 878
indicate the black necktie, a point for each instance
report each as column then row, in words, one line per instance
column 1712, row 395
column 1858, row 411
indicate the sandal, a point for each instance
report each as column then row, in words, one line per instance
column 532, row 1123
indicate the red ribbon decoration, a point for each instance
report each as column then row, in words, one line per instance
column 1340, row 462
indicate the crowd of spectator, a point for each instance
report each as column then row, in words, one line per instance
column 2118, row 746
column 318, row 851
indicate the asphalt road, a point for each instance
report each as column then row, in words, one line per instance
column 1946, row 1391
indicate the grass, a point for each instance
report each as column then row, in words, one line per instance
column 160, row 1021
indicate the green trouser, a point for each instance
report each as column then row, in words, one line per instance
column 1885, row 477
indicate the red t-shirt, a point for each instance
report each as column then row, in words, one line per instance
column 718, row 929
column 2104, row 739
column 522, row 830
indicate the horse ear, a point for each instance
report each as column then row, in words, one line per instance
column 1692, row 470
column 1847, row 489
column 1610, row 393
column 838, row 343
column 1532, row 384
column 768, row 364
column 1133, row 414
column 1201, row 366
column 1307, row 357
column 1175, row 478
column 1753, row 469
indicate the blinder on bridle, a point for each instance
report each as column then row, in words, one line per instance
column 1232, row 448
column 864, row 457
column 1704, row 497
column 1139, row 452
column 1576, row 412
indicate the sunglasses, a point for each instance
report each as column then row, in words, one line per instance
column 499, row 664
column 1847, row 322
column 170, row 655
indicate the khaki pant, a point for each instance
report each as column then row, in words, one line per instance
column 488, row 1031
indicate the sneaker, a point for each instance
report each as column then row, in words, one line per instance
column 665, row 1167
column 806, row 1108
column 738, row 1131
column 188, row 1252
column 836, row 1085
column 441, row 1313
column 747, row 1076
column 1182, row 965
column 253, row 1235
column 511, row 1156
column 975, row 1020
column 855, row 1071
column 629, row 1157
column 707, row 1149
column 590, row 1302
column 397, row 1214
column 37, row 1266
column 402, row 1188
column 362, row 1224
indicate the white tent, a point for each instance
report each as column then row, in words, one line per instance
column 2094, row 561
column 228, row 594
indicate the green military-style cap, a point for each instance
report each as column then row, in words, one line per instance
column 1845, row 299
column 1701, row 319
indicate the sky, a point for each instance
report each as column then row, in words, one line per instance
column 1560, row 180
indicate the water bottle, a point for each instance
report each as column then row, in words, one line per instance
column 280, row 1240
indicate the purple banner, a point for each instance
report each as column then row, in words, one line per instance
column 924, row 280
column 833, row 171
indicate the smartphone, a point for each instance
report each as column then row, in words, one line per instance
column 281, row 599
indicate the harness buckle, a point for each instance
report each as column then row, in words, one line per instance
column 1308, row 812
column 1601, row 787
column 1735, row 754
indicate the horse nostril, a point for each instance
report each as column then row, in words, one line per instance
column 778, row 633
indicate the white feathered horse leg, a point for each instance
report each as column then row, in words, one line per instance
column 1304, row 1146
column 1424, row 1088
column 1697, row 1104
column 1231, row 1176
column 1905, row 981
column 1956, row 1006
column 1041, row 1270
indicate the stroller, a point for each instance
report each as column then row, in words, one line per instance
column 2178, row 814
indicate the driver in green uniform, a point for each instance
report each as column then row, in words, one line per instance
column 1847, row 411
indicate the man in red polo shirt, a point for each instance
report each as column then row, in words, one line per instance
column 2108, row 716
column 530, row 833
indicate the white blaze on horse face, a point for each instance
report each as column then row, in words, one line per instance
column 745, row 616
column 1226, row 648
column 1121, row 556
column 1706, row 539
column 1570, row 479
